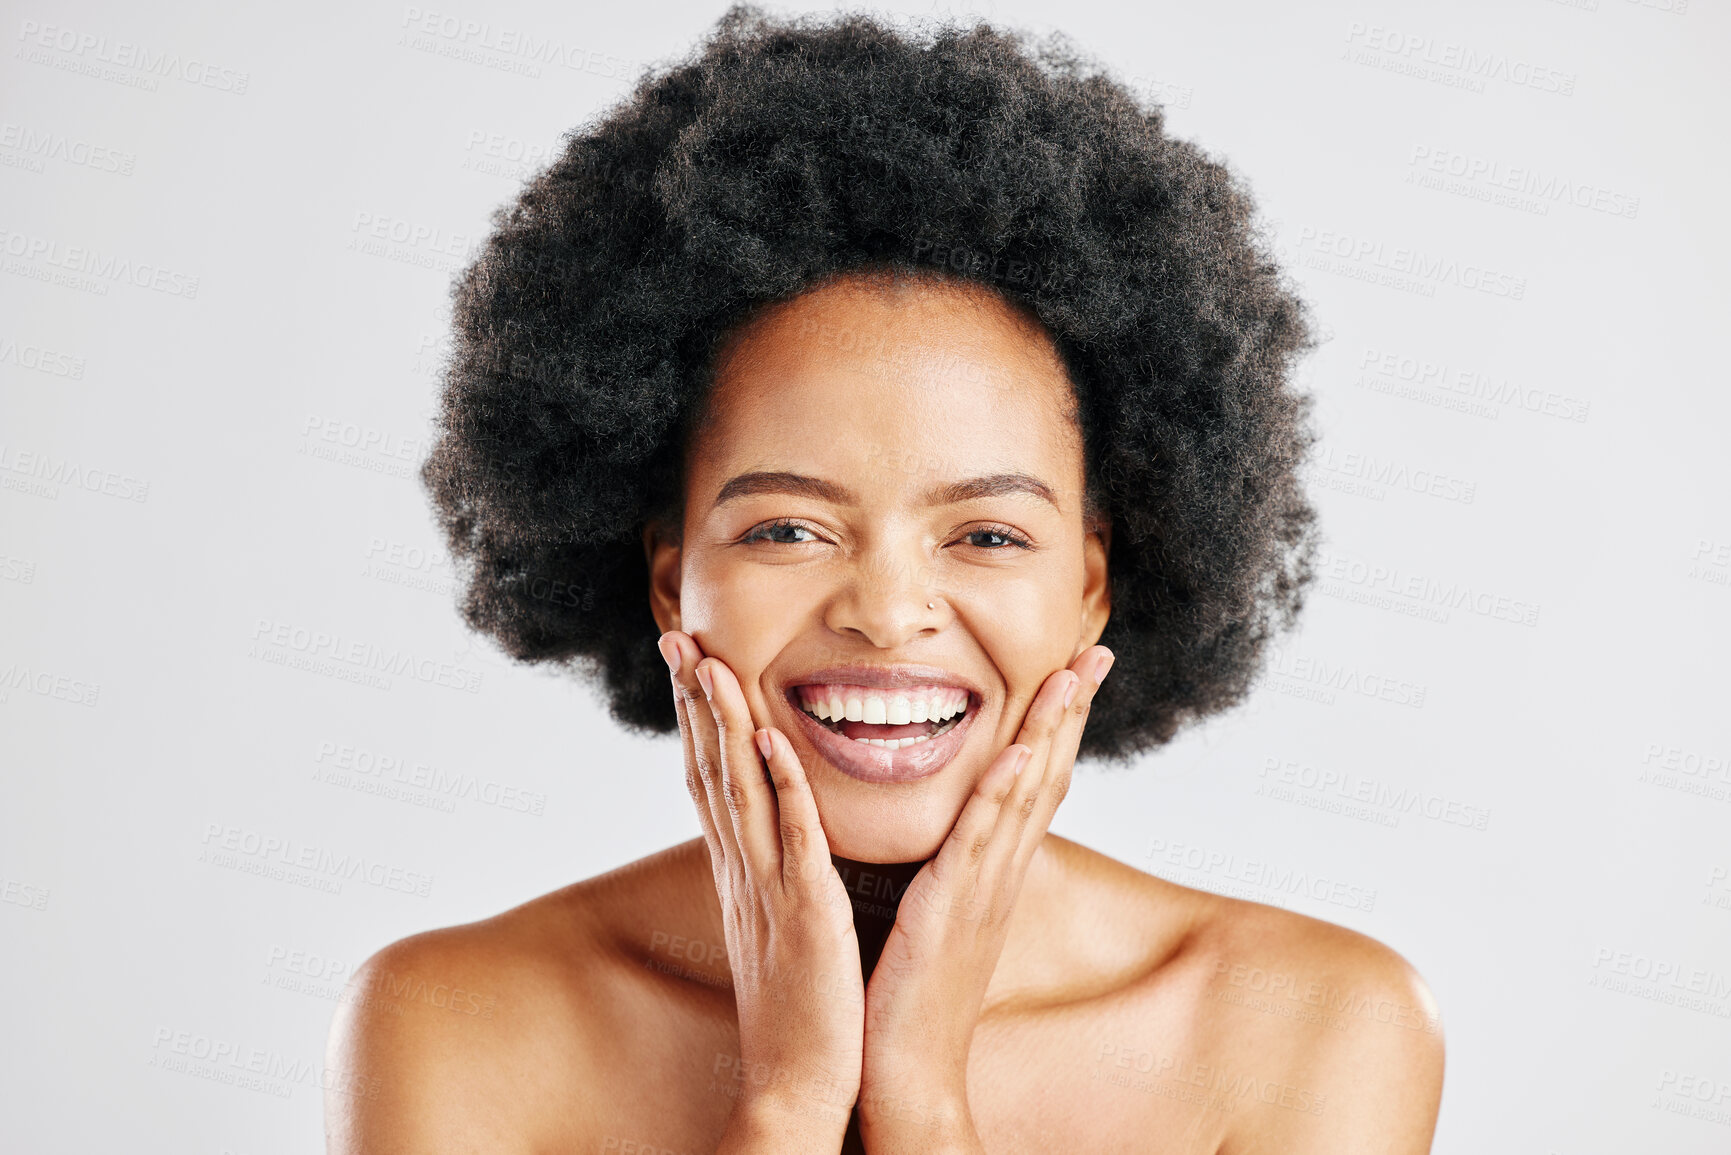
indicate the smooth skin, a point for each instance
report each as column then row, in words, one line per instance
column 1035, row 995
column 787, row 914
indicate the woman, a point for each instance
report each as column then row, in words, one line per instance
column 872, row 382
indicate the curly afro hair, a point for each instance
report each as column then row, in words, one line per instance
column 784, row 153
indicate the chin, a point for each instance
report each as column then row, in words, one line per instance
column 861, row 843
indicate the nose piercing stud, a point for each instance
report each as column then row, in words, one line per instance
column 931, row 605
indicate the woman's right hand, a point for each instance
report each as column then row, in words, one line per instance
column 789, row 925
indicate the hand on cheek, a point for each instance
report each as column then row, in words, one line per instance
column 924, row 998
column 789, row 926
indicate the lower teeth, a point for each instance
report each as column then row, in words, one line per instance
column 899, row 743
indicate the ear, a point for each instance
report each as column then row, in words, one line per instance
column 663, row 552
column 1096, row 585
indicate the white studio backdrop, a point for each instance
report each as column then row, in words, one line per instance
column 1498, row 742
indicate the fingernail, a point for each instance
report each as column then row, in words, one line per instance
column 1022, row 759
column 1070, row 694
column 1101, row 666
column 763, row 744
column 704, row 680
column 669, row 653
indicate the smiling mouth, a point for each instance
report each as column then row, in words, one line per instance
column 890, row 720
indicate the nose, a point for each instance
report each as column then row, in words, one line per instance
column 887, row 597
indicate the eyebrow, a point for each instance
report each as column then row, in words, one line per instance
column 954, row 493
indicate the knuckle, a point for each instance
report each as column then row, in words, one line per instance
column 1029, row 804
column 706, row 766
column 793, row 836
column 977, row 847
column 735, row 793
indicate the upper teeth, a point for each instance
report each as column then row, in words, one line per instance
column 894, row 708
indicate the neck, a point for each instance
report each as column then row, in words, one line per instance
column 875, row 889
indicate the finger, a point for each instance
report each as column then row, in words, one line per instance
column 956, row 869
column 670, row 649
column 1032, row 787
column 703, row 768
column 1091, row 666
column 804, row 845
column 748, row 796
column 1059, row 763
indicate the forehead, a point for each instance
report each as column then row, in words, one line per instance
column 895, row 383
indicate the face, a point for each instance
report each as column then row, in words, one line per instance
column 887, row 503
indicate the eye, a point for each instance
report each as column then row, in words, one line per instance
column 768, row 530
column 1003, row 533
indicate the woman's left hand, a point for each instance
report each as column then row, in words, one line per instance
column 925, row 995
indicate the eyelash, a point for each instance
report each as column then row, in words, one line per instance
column 758, row 532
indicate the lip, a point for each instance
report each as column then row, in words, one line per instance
column 899, row 677
column 874, row 763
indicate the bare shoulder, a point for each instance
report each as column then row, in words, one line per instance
column 1334, row 1037
column 444, row 1037
column 1287, row 1033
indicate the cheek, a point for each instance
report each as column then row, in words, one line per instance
column 1027, row 631
column 719, row 596
column 735, row 618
